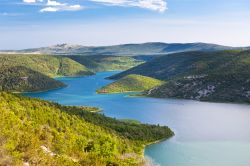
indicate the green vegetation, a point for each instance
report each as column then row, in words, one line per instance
column 213, row 87
column 88, row 109
column 106, row 63
column 191, row 63
column 131, row 83
column 51, row 66
column 134, row 131
column 24, row 73
column 39, row 67
column 44, row 133
column 191, row 75
column 22, row 79
column 130, row 121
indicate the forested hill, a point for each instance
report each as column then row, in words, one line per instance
column 46, row 64
column 192, row 63
column 233, row 87
column 99, row 63
column 22, row 79
column 222, row 76
column 35, row 132
column 54, row 66
column 153, row 48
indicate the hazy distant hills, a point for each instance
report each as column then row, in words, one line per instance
column 124, row 50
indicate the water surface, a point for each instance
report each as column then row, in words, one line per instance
column 207, row 134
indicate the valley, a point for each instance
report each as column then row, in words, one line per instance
column 124, row 83
column 204, row 132
column 27, row 72
column 91, row 115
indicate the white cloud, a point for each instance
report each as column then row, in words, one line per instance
column 32, row 1
column 62, row 7
column 49, row 9
column 55, row 3
column 156, row 5
column 29, row 1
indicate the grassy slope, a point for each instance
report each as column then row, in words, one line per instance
column 131, row 83
column 49, row 65
column 228, row 71
column 106, row 63
column 44, row 133
column 20, row 79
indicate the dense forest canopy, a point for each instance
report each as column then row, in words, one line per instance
column 44, row 133
column 22, row 79
column 46, row 64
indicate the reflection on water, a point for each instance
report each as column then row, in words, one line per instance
column 207, row 134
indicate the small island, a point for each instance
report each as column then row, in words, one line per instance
column 131, row 83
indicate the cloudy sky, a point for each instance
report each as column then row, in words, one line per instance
column 35, row 23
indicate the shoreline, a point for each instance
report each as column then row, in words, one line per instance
column 140, row 94
column 65, row 85
column 149, row 161
column 101, row 93
column 202, row 101
column 75, row 76
column 40, row 91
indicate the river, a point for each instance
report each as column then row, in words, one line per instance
column 207, row 134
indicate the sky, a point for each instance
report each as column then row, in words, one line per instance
column 37, row 23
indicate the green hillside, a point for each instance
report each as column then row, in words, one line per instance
column 214, row 87
column 227, row 71
column 43, row 133
column 131, row 83
column 48, row 65
column 22, row 79
column 191, row 63
column 106, row 63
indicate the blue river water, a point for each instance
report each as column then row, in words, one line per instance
column 207, row 134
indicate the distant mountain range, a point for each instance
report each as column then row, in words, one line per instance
column 153, row 48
